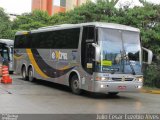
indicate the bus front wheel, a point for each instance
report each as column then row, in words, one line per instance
column 74, row 84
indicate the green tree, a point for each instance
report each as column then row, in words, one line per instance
column 146, row 18
column 5, row 26
column 29, row 21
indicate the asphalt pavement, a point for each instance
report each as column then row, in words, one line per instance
column 41, row 97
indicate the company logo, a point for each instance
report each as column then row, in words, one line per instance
column 57, row 55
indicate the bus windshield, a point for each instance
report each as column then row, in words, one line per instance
column 5, row 54
column 120, row 51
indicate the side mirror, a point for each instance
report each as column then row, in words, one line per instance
column 147, row 55
column 97, row 53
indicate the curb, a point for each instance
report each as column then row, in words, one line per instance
column 150, row 91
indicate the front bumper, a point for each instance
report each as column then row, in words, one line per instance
column 121, row 86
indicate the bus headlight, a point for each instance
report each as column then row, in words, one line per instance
column 102, row 78
column 140, row 79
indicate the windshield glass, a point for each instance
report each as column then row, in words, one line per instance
column 120, row 51
column 5, row 54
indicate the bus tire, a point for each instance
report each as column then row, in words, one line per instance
column 74, row 85
column 112, row 93
column 30, row 75
column 24, row 73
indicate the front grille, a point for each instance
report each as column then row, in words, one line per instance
column 128, row 79
column 117, row 79
column 120, row 79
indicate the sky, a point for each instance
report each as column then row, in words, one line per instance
column 22, row 6
column 16, row 6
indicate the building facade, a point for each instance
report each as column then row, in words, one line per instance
column 71, row 4
column 45, row 5
column 56, row 6
column 59, row 6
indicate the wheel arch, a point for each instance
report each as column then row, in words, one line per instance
column 72, row 73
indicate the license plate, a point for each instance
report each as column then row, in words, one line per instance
column 122, row 87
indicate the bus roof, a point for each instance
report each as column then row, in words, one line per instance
column 22, row 32
column 96, row 24
column 7, row 41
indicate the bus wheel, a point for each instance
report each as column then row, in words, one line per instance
column 112, row 93
column 74, row 84
column 24, row 73
column 30, row 75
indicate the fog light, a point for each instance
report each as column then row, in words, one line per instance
column 139, row 87
column 102, row 86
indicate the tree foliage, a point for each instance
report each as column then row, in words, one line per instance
column 146, row 18
column 5, row 25
column 28, row 21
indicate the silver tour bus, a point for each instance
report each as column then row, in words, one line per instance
column 97, row 57
column 6, row 51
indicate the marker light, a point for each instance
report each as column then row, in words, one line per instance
column 139, row 87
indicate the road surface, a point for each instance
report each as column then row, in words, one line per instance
column 41, row 97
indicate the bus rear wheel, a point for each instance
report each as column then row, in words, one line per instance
column 74, row 85
column 24, row 73
column 30, row 75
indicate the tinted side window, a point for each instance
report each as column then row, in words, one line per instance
column 21, row 41
column 68, row 38
column 34, row 38
column 41, row 40
column 89, row 32
column 59, row 39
